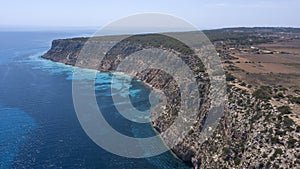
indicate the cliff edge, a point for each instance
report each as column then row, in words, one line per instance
column 251, row 134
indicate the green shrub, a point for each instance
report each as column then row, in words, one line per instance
column 278, row 151
column 264, row 155
column 284, row 109
column 262, row 94
column 279, row 95
column 243, row 84
column 274, row 140
column 229, row 77
column 226, row 150
column 288, row 122
column 291, row 142
column 237, row 161
column 294, row 99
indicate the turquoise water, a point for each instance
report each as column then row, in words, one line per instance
column 39, row 127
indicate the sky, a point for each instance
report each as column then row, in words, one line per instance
column 204, row 14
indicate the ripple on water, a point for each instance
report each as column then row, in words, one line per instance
column 103, row 86
column 15, row 126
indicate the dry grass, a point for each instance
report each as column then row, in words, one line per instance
column 271, row 69
column 281, row 68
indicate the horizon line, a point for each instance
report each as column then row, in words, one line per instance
column 8, row 28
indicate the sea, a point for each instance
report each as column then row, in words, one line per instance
column 38, row 123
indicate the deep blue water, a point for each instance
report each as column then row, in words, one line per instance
column 38, row 123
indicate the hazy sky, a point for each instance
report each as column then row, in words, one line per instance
column 96, row 13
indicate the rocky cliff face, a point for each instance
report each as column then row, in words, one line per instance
column 65, row 51
column 252, row 133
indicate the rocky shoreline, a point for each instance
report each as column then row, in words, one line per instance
column 251, row 134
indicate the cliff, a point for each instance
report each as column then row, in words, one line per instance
column 65, row 51
column 251, row 134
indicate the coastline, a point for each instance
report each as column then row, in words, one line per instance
column 246, row 115
column 170, row 149
column 123, row 74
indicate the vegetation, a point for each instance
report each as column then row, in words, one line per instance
column 226, row 150
column 275, row 140
column 291, row 142
column 228, row 62
column 284, row 109
column 263, row 93
column 243, row 36
column 294, row 99
column 237, row 161
column 277, row 152
column 243, row 84
column 279, row 95
column 229, row 77
column 158, row 40
column 288, row 122
column 264, row 155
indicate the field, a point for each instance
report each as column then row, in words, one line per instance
column 275, row 64
column 280, row 68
